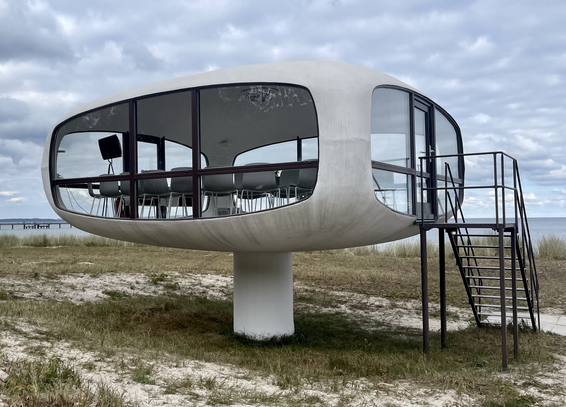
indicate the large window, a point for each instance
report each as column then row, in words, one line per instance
column 207, row 152
column 449, row 169
column 407, row 132
column 390, row 127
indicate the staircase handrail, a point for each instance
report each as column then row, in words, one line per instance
column 520, row 212
column 527, row 242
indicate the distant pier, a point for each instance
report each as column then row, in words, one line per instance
column 34, row 225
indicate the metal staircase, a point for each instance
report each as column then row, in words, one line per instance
column 495, row 257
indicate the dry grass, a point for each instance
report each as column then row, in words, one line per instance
column 53, row 383
column 330, row 349
column 552, row 247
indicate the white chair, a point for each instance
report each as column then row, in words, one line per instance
column 110, row 192
column 95, row 197
column 288, row 180
column 181, row 188
column 156, row 189
column 219, row 185
column 257, row 186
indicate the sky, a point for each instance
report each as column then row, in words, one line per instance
column 497, row 66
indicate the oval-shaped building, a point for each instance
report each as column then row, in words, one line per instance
column 259, row 160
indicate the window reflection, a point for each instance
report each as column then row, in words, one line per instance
column 393, row 190
column 260, row 126
column 446, row 144
column 390, row 127
column 80, row 155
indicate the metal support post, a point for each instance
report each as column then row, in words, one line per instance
column 514, row 292
column 442, row 271
column 424, row 289
column 501, row 229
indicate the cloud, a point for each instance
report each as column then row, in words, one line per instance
column 481, row 118
column 30, row 31
column 499, row 70
column 142, row 57
column 480, row 45
column 12, row 109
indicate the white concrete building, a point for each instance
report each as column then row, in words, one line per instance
column 258, row 160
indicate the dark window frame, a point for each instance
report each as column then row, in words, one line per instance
column 130, row 159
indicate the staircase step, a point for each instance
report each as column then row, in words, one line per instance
column 490, row 278
column 479, row 246
column 485, row 267
column 483, row 257
column 499, row 306
column 496, row 297
column 494, row 287
column 474, row 235
column 498, row 314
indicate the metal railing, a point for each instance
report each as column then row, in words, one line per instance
column 508, row 209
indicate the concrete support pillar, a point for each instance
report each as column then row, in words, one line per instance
column 263, row 294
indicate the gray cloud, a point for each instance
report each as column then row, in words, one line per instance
column 12, row 110
column 142, row 57
column 30, row 32
column 499, row 68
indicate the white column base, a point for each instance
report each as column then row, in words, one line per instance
column 263, row 294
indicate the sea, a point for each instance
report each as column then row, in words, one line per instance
column 539, row 227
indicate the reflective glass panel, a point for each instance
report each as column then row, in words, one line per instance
column 164, row 131
column 420, row 137
column 390, row 127
column 446, row 144
column 239, row 119
column 91, row 144
column 393, row 190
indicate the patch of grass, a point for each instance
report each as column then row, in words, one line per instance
column 328, row 348
column 6, row 295
column 156, row 278
column 552, row 247
column 171, row 286
column 115, row 294
column 44, row 240
column 325, row 347
column 518, row 401
column 52, row 383
column 179, row 386
column 142, row 375
column 9, row 240
column 54, row 261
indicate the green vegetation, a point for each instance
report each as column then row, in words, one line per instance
column 552, row 247
column 331, row 349
column 44, row 240
column 53, row 383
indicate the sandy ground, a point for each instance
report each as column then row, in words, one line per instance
column 116, row 373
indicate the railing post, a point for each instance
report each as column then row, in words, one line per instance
column 503, row 190
column 514, row 292
column 495, row 188
column 502, row 297
column 455, row 214
column 422, row 189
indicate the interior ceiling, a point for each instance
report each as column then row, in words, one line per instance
column 239, row 118
column 234, row 119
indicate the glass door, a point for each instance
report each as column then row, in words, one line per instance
column 423, row 142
